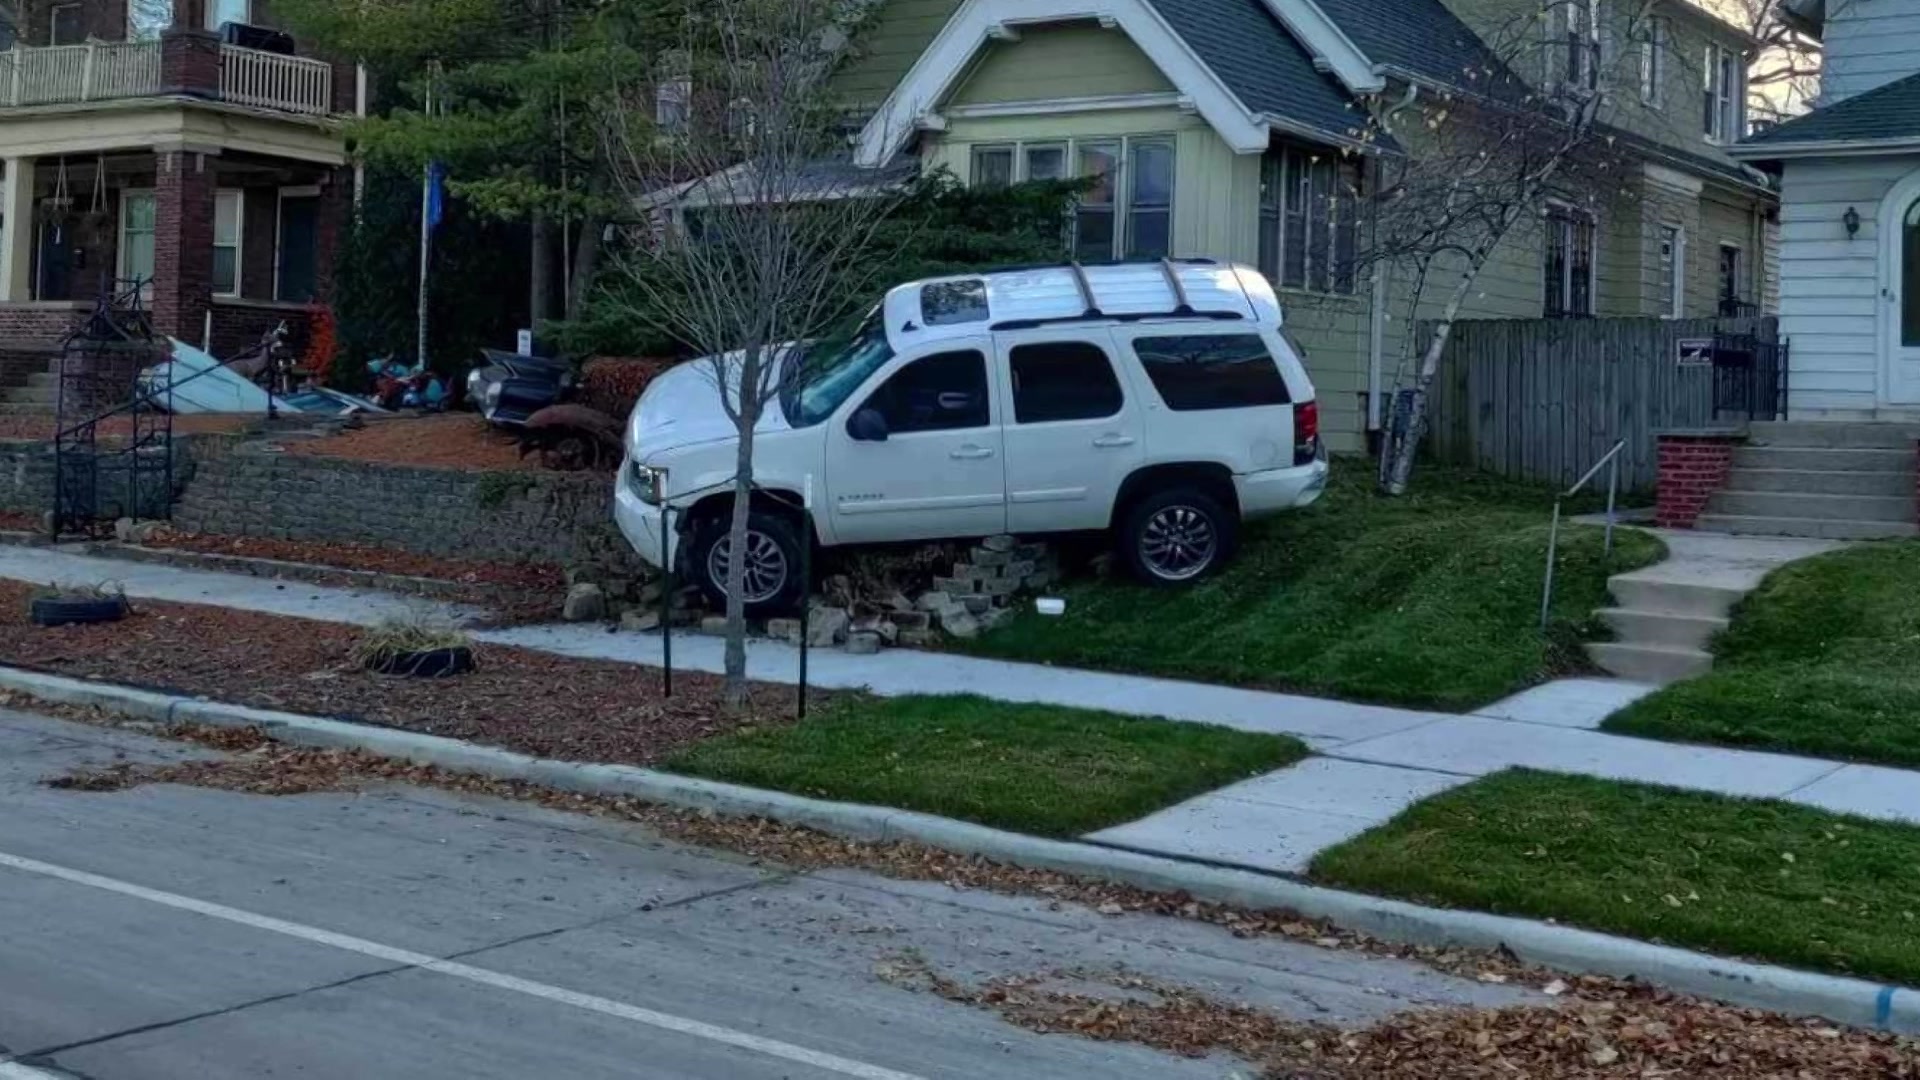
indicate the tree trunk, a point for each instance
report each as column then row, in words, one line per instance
column 1400, row 471
column 540, row 273
column 586, row 263
column 735, row 693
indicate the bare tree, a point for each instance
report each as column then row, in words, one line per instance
column 757, row 250
column 1783, row 74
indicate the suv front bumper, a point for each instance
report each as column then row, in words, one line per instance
column 1274, row 490
column 645, row 525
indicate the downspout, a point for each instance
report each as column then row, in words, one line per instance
column 1377, row 329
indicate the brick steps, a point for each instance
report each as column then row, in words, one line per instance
column 1829, row 481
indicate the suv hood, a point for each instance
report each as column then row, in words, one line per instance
column 682, row 408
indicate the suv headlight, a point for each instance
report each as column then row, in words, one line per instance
column 649, row 483
column 491, row 399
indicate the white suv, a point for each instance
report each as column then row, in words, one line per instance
column 1156, row 401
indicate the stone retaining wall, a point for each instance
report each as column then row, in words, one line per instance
column 566, row 519
column 27, row 477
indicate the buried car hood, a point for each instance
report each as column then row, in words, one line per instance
column 682, row 407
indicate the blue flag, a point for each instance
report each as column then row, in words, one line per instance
column 436, row 194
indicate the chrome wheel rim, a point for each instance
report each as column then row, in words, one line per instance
column 764, row 575
column 1179, row 543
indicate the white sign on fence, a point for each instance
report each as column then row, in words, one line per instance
column 1694, row 352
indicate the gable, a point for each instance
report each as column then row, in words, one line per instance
column 1056, row 62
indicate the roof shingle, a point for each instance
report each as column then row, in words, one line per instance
column 1889, row 112
column 1262, row 63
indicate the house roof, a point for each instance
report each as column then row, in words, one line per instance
column 1889, row 113
column 1262, row 64
column 1415, row 37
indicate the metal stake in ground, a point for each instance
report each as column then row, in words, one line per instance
column 666, row 600
column 806, row 589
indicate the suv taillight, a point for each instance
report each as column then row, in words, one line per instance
column 1306, row 433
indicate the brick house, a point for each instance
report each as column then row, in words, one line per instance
column 182, row 143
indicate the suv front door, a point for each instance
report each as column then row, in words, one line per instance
column 938, row 471
column 1072, row 431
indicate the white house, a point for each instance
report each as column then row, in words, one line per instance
column 1850, row 216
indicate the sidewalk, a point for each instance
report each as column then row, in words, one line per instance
column 1374, row 761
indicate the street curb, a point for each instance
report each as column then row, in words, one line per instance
column 1848, row 1001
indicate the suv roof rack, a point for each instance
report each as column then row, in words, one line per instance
column 1129, row 317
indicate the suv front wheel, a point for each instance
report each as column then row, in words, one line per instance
column 771, row 584
column 1177, row 536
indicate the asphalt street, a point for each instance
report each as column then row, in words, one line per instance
column 170, row 932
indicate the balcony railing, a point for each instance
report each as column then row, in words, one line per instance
column 272, row 81
column 72, row 73
column 103, row 71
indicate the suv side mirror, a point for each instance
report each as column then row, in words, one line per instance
column 867, row 425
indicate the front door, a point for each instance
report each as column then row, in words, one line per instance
column 1902, row 295
column 53, row 277
column 1072, row 433
column 938, row 472
column 296, row 272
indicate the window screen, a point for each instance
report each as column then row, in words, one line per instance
column 942, row 392
column 1230, row 371
column 1063, row 380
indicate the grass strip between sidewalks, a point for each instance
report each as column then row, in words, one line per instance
column 1764, row 880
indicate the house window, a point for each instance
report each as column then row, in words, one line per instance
column 138, row 218
column 1569, row 264
column 1910, row 278
column 1653, row 61
column 296, row 250
column 66, row 25
column 993, row 166
column 1725, row 80
column 227, row 214
column 1579, row 24
column 673, row 105
column 1128, row 211
column 222, row 12
column 147, row 18
column 1673, row 271
column 1732, row 294
column 1309, row 220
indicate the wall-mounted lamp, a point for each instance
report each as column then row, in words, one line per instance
column 1851, row 219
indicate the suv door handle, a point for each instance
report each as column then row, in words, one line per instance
column 1111, row 442
column 971, row 453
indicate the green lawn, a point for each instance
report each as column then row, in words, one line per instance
column 1823, row 659
column 1032, row 768
column 1765, row 880
column 1431, row 600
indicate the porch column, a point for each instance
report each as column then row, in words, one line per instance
column 16, row 232
column 183, row 244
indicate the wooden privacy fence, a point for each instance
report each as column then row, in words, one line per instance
column 1543, row 399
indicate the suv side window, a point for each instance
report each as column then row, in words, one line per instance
column 943, row 392
column 1216, row 371
column 1063, row 380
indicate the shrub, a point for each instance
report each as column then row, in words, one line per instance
column 613, row 384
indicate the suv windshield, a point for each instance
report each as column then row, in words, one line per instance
column 821, row 378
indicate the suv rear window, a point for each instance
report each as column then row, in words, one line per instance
column 1063, row 380
column 1213, row 371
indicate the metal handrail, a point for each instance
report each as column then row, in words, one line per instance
column 1611, row 462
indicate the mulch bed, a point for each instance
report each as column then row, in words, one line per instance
column 19, row 521
column 531, row 702
column 443, row 441
column 529, row 577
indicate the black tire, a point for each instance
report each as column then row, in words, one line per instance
column 1196, row 520
column 767, row 534
column 431, row 664
column 56, row 612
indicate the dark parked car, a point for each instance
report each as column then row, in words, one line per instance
column 507, row 388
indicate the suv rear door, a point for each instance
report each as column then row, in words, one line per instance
column 1221, row 393
column 1072, row 429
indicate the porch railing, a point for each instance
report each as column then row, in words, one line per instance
column 103, row 70
column 71, row 73
column 273, row 81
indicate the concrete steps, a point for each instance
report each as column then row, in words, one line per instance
column 1883, row 483
column 1835, row 436
column 1823, row 459
column 1816, row 528
column 1663, row 628
column 1645, row 594
column 1649, row 663
column 1808, row 504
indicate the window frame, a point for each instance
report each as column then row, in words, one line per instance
column 1674, row 303
column 1013, row 351
column 1725, row 94
column 128, row 196
column 305, row 191
column 1737, row 279
column 135, row 32
column 1579, row 42
column 1121, row 209
column 238, row 198
column 215, row 22
column 981, row 151
column 1653, row 61
column 1569, row 225
column 73, row 7
column 1275, row 394
column 1908, row 265
column 1288, row 200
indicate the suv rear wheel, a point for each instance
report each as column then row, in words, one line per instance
column 1177, row 536
column 771, row 584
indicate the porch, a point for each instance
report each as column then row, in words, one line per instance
column 118, row 70
column 221, row 246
